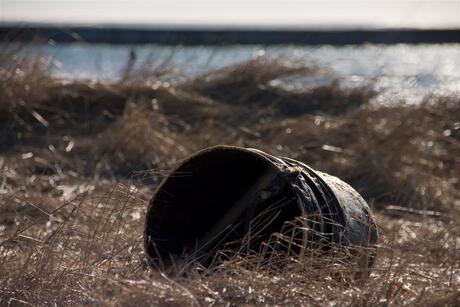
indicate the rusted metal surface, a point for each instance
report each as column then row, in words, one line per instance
column 212, row 199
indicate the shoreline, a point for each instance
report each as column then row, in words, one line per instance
column 182, row 35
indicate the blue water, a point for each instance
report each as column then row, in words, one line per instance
column 408, row 72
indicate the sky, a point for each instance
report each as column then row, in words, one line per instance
column 278, row 13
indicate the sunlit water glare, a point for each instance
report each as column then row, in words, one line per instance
column 401, row 71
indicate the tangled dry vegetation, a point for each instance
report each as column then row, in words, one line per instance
column 79, row 161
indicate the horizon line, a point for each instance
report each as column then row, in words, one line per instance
column 221, row 26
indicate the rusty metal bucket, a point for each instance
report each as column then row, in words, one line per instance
column 222, row 195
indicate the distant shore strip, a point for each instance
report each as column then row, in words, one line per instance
column 197, row 36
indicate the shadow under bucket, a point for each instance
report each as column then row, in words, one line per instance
column 223, row 195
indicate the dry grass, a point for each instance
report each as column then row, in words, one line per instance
column 79, row 161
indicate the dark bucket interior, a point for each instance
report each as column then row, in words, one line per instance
column 195, row 197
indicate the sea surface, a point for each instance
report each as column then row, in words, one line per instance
column 401, row 71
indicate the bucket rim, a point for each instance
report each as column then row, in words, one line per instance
column 263, row 156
